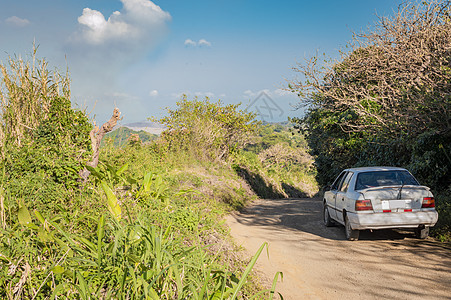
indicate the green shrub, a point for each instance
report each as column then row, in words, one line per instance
column 58, row 147
column 207, row 129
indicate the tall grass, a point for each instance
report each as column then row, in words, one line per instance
column 129, row 259
column 27, row 89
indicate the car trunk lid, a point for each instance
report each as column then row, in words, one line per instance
column 396, row 198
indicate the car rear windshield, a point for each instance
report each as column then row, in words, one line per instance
column 384, row 178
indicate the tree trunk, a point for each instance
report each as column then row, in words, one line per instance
column 97, row 135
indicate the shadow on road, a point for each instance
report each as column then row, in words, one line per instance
column 305, row 214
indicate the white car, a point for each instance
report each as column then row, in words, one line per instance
column 379, row 198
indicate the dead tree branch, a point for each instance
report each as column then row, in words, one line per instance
column 396, row 78
column 97, row 135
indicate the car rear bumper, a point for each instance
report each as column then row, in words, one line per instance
column 362, row 221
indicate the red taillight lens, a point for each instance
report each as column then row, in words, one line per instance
column 363, row 205
column 428, row 202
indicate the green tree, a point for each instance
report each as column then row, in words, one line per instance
column 384, row 98
column 208, row 128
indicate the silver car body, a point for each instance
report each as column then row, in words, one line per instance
column 393, row 205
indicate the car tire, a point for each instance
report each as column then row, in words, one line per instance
column 422, row 232
column 326, row 217
column 351, row 234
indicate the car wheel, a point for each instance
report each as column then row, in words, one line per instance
column 326, row 217
column 422, row 232
column 351, row 234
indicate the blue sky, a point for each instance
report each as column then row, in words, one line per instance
column 142, row 55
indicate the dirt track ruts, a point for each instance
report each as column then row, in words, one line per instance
column 318, row 263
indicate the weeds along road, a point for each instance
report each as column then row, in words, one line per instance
column 318, row 263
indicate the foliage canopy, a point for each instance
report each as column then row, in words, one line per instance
column 387, row 101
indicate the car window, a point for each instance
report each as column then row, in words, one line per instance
column 384, row 178
column 345, row 183
column 338, row 181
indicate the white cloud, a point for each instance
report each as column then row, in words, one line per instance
column 248, row 93
column 203, row 42
column 17, row 22
column 138, row 20
column 190, row 42
column 153, row 93
column 97, row 30
column 200, row 43
column 104, row 47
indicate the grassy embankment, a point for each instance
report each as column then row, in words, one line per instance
column 145, row 224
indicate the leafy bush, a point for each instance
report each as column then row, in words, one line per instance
column 276, row 164
column 131, row 260
column 57, row 147
column 285, row 158
column 206, row 128
column 44, row 142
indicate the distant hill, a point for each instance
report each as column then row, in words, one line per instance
column 283, row 123
column 147, row 126
column 120, row 136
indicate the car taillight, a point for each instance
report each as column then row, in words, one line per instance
column 363, row 205
column 428, row 202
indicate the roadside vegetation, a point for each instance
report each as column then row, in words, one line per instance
column 122, row 135
column 146, row 224
column 386, row 101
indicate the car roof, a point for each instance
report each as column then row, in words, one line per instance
column 368, row 169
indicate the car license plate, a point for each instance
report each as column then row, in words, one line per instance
column 395, row 204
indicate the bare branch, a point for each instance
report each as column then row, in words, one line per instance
column 97, row 135
column 396, row 78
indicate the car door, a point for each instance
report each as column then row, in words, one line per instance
column 341, row 198
column 332, row 195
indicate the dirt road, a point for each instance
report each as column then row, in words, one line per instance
column 318, row 263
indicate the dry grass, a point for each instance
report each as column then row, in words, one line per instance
column 27, row 89
column 226, row 188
